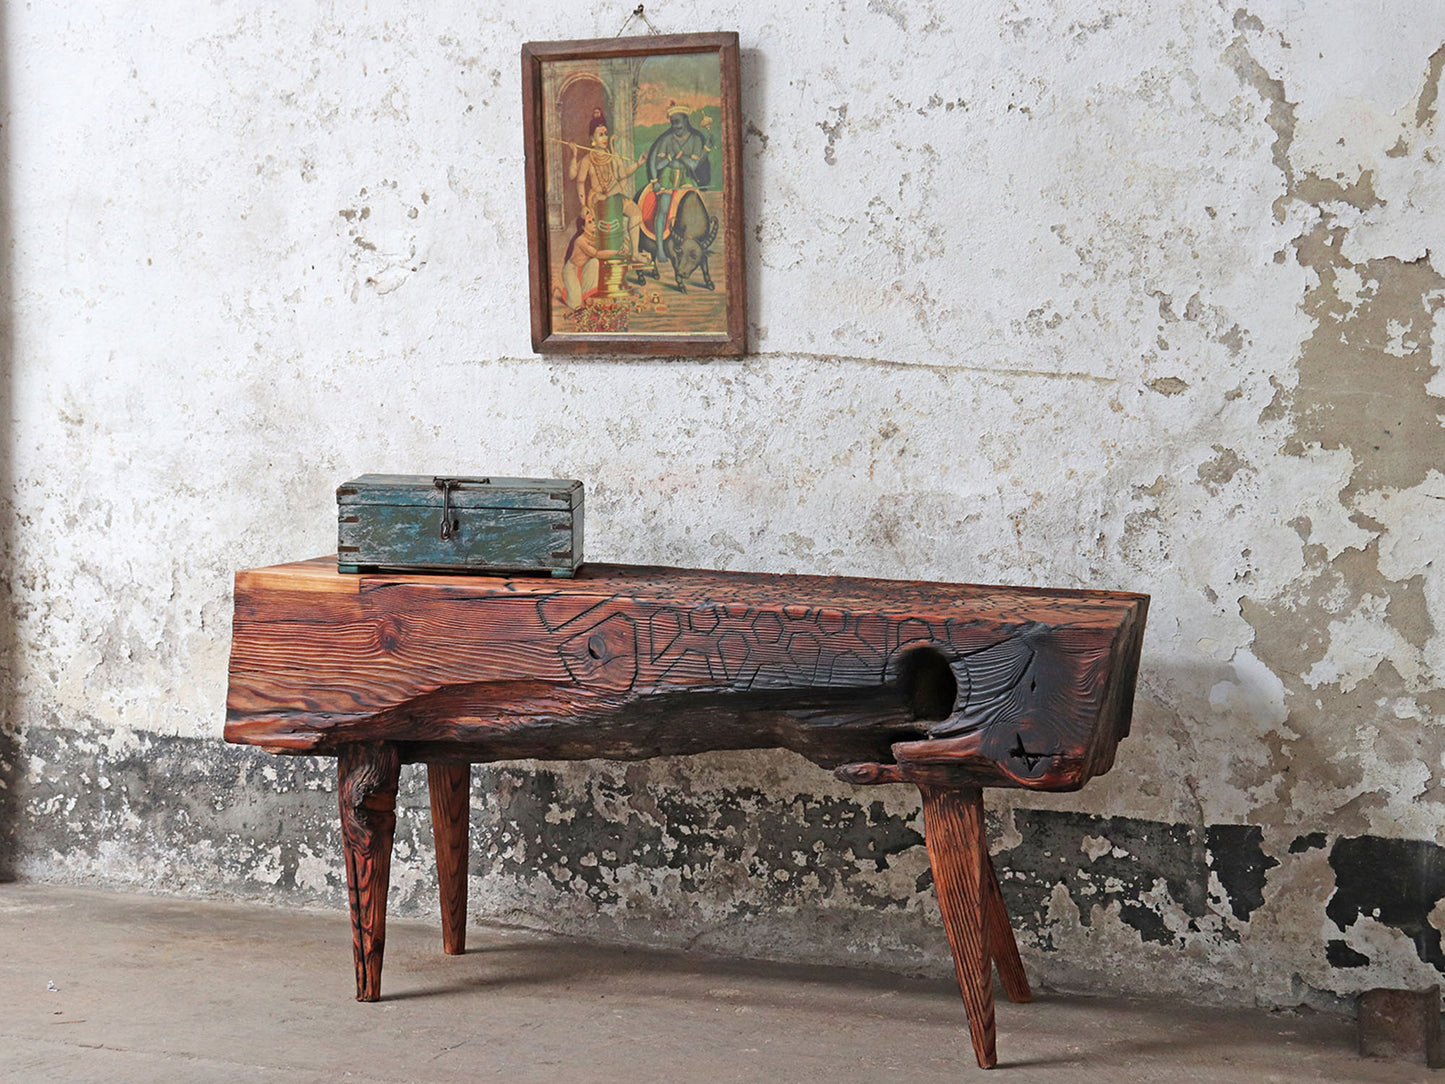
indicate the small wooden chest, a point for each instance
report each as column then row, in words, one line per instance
column 459, row 524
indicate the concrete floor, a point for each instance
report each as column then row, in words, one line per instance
column 100, row 986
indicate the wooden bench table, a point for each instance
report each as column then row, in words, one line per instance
column 946, row 686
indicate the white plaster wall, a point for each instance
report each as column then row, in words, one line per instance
column 1037, row 293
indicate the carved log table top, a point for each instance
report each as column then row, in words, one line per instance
column 952, row 687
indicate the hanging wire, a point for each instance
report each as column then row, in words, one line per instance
column 637, row 13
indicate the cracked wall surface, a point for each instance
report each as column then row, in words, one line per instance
column 1138, row 296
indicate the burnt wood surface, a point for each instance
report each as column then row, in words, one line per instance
column 949, row 686
column 941, row 684
column 450, row 787
column 367, row 776
column 973, row 913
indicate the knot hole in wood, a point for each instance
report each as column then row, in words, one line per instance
column 928, row 684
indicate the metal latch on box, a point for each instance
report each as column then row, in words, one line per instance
column 450, row 523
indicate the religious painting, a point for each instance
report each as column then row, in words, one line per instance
column 634, row 195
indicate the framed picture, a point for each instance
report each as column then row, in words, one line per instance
column 634, row 195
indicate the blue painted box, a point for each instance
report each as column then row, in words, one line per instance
column 413, row 521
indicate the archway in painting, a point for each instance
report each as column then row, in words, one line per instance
column 580, row 97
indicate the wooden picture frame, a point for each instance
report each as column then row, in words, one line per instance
column 626, row 137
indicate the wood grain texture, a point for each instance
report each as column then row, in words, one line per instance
column 958, row 852
column 482, row 539
column 535, row 494
column 450, row 787
column 367, row 778
column 493, row 524
column 948, row 684
column 1002, row 946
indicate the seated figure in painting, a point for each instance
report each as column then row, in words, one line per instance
column 678, row 160
column 579, row 265
column 582, row 263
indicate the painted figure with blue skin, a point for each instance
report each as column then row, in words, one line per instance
column 677, row 159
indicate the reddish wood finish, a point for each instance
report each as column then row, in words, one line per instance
column 367, row 777
column 948, row 686
column 450, row 786
column 958, row 852
column 945, row 684
column 1001, row 937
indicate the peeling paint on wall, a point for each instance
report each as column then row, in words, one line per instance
column 1146, row 300
column 1398, row 883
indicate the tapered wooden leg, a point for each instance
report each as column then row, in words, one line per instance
column 958, row 852
column 1001, row 943
column 367, row 776
column 450, row 786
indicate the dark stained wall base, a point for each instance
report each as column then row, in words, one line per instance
column 1131, row 857
column 10, row 812
column 1397, row 882
column 629, row 852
